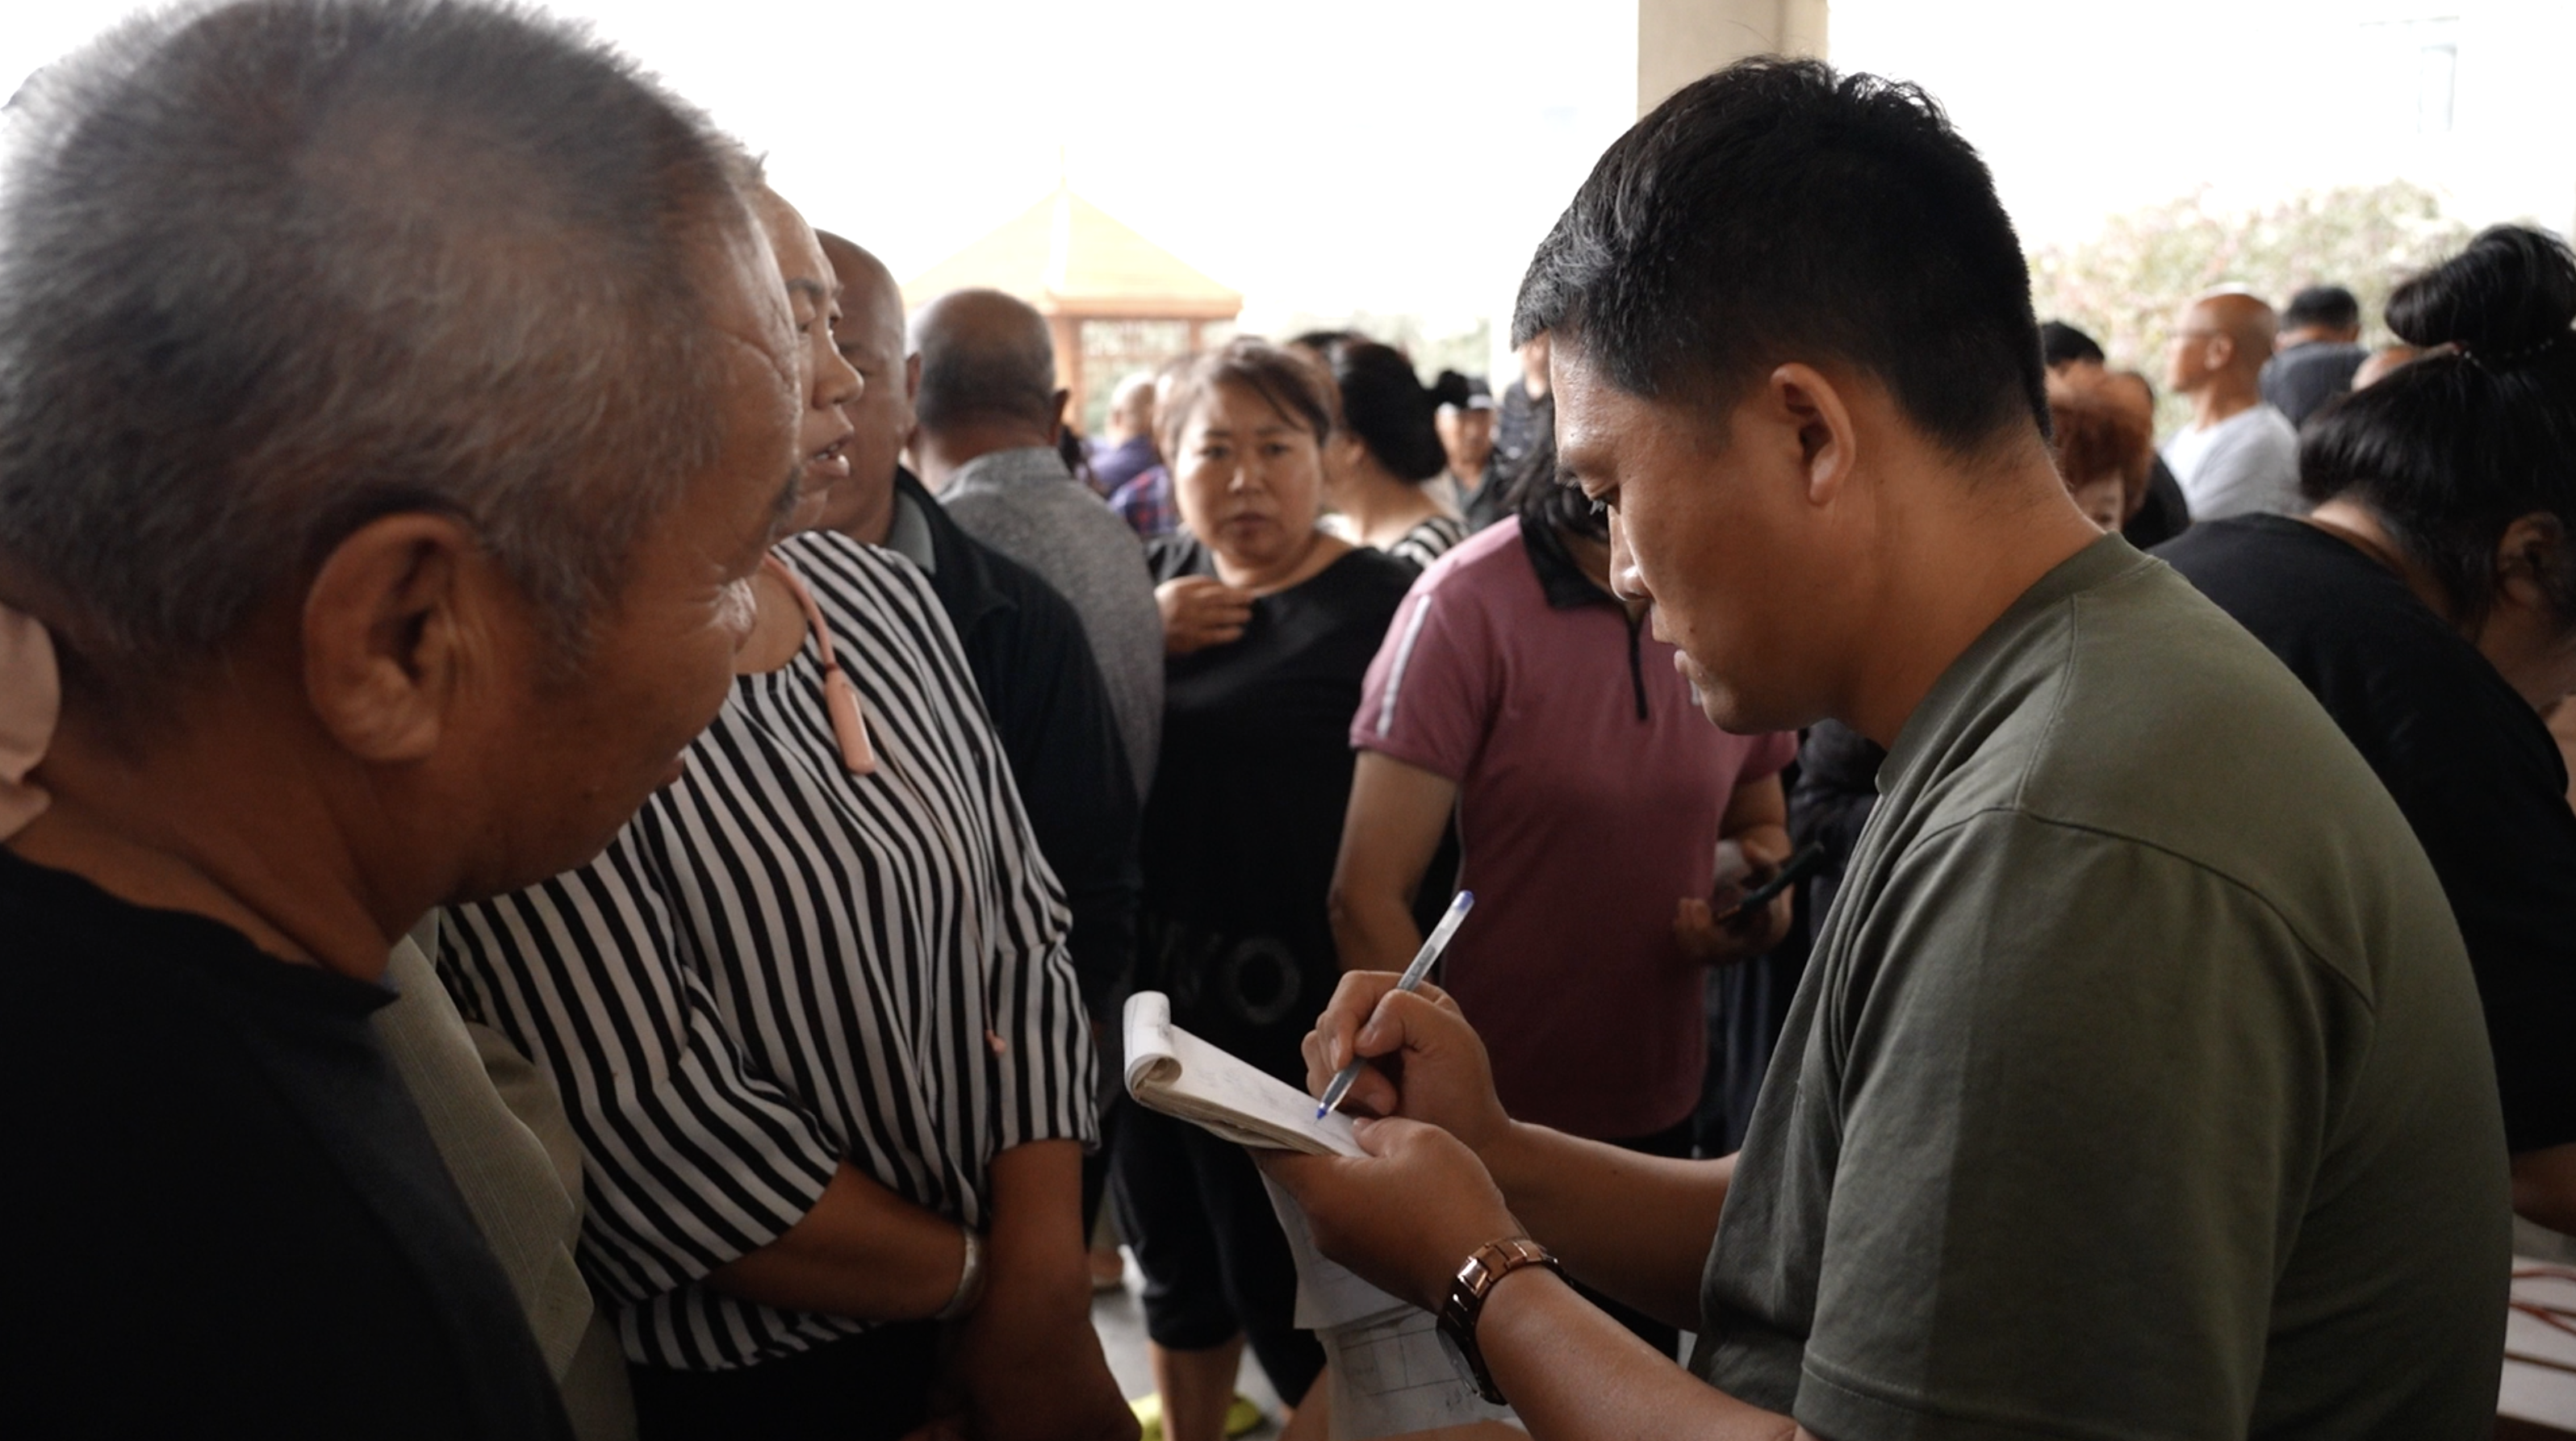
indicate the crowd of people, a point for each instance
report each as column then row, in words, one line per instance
column 582, row 793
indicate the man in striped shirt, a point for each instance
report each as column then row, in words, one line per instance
column 814, row 1021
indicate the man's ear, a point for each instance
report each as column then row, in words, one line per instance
column 912, row 379
column 1063, row 399
column 384, row 631
column 1812, row 408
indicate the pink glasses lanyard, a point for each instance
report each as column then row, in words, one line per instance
column 840, row 698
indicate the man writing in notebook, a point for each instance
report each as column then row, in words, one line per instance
column 2137, row 1086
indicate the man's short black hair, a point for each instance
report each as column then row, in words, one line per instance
column 1777, row 211
column 2327, row 307
column 2063, row 344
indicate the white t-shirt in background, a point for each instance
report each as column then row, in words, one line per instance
column 2243, row 465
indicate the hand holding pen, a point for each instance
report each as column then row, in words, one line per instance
column 1423, row 960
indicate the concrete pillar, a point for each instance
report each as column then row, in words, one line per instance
column 1678, row 41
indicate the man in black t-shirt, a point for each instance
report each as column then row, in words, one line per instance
column 290, row 653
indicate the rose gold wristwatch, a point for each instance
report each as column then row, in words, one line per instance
column 1476, row 1279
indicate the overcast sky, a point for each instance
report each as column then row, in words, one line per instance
column 1402, row 156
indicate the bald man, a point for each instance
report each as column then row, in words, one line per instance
column 986, row 416
column 1126, row 447
column 2239, row 456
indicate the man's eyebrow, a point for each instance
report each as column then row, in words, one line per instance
column 811, row 289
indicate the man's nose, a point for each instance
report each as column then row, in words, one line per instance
column 842, row 384
column 1625, row 582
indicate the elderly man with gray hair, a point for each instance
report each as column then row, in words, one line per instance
column 394, row 396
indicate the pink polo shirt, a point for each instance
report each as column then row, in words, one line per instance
column 1590, row 787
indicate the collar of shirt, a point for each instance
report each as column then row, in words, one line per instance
column 1964, row 686
column 956, row 566
column 908, row 534
column 1030, row 465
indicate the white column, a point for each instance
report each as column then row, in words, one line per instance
column 1678, row 41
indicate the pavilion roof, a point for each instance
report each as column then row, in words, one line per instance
column 1066, row 256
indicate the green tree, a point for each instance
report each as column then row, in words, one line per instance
column 2124, row 286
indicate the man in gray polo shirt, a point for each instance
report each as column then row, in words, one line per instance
column 2138, row 1086
column 989, row 416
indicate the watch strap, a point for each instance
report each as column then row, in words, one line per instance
column 1476, row 1280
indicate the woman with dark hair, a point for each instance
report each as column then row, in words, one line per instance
column 1270, row 624
column 1382, row 453
column 1593, row 801
column 2430, row 603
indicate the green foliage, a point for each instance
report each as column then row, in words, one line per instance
column 2125, row 286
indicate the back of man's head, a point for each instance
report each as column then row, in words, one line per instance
column 986, row 362
column 273, row 269
column 2328, row 310
column 1131, row 406
column 1776, row 211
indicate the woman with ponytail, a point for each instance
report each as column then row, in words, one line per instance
column 1384, row 449
column 2429, row 602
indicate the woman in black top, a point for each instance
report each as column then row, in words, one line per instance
column 1271, row 625
column 2430, row 603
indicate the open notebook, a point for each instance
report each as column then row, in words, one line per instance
column 1391, row 1373
column 1171, row 1071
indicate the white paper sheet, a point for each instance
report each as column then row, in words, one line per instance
column 1395, row 1377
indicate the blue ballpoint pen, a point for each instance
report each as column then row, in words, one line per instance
column 1413, row 975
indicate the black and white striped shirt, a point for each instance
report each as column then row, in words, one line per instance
column 778, row 964
column 1428, row 541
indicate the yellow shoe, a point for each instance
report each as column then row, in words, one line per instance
column 1241, row 1418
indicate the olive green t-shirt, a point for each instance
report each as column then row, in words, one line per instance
column 2138, row 1086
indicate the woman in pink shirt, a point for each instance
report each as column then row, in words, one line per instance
column 1593, row 801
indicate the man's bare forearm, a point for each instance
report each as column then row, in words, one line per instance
column 1035, row 1237
column 1028, row 1363
column 1574, row 1374
column 1637, row 1227
column 861, row 1251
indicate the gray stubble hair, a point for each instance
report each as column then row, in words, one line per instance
column 274, row 268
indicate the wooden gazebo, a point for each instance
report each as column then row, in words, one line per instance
column 1115, row 300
